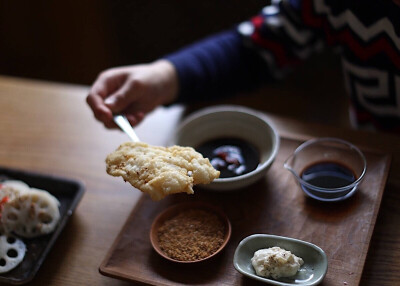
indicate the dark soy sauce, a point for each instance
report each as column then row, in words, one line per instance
column 328, row 174
column 231, row 156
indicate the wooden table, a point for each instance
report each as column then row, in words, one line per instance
column 48, row 128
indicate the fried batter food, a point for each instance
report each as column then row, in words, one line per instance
column 10, row 190
column 25, row 211
column 12, row 252
column 33, row 213
column 160, row 171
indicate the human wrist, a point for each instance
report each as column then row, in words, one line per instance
column 168, row 79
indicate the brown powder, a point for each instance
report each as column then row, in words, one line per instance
column 191, row 235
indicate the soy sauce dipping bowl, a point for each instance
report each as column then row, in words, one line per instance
column 231, row 121
column 327, row 169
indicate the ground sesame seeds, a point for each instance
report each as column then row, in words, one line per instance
column 191, row 235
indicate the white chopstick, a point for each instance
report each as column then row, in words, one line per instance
column 124, row 124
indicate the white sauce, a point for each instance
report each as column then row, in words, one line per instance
column 275, row 262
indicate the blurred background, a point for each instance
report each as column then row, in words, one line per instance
column 72, row 41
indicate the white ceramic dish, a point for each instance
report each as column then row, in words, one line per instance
column 231, row 121
column 311, row 273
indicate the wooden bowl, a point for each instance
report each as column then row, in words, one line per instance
column 175, row 210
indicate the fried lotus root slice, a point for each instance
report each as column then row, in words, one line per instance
column 17, row 185
column 32, row 214
column 160, row 171
column 7, row 193
column 12, row 252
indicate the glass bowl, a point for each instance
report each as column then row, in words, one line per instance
column 327, row 169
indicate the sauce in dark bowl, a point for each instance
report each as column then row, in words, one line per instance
column 328, row 174
column 231, row 156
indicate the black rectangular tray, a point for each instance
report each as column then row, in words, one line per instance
column 69, row 193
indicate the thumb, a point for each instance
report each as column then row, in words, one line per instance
column 119, row 100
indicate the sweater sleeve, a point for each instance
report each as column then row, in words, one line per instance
column 260, row 50
column 217, row 67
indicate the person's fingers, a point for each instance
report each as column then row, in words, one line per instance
column 110, row 125
column 124, row 96
column 132, row 119
column 135, row 118
column 108, row 82
column 100, row 111
column 140, row 116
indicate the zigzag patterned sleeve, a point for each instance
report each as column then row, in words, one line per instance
column 280, row 37
column 262, row 49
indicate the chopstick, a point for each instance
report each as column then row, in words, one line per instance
column 124, row 124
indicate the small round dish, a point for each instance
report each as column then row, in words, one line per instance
column 231, row 122
column 312, row 272
column 215, row 218
column 327, row 169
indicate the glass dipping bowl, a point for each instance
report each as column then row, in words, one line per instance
column 327, row 169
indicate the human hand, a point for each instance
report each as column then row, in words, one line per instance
column 133, row 91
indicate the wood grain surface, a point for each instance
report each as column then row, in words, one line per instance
column 48, row 128
column 274, row 205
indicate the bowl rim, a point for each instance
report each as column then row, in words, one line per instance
column 243, row 110
column 177, row 208
column 347, row 195
column 322, row 189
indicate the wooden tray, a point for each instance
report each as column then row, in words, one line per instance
column 274, row 205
